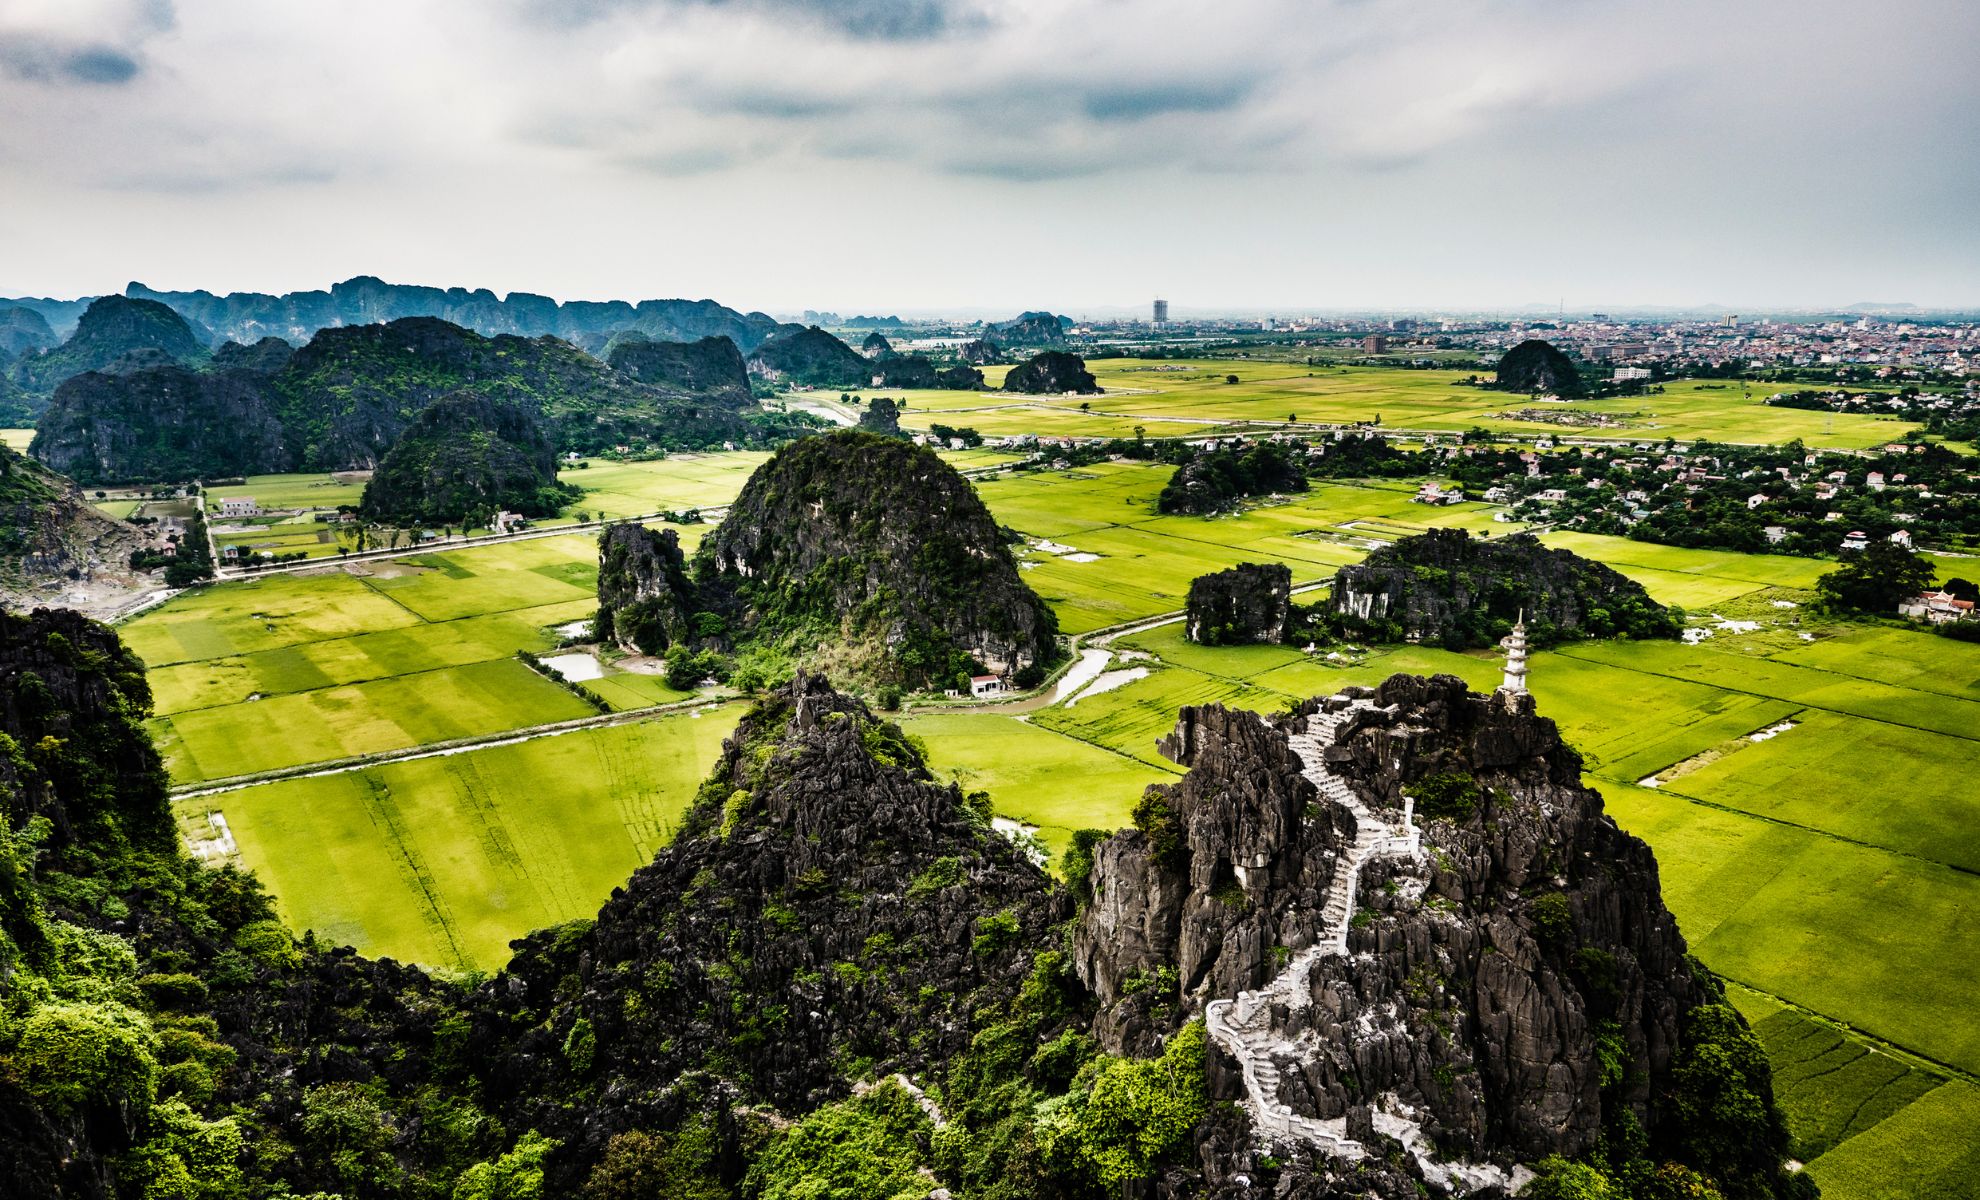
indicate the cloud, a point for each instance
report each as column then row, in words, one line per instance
column 80, row 41
column 863, row 19
column 1670, row 135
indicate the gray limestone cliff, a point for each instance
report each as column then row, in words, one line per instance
column 1418, row 942
column 1251, row 602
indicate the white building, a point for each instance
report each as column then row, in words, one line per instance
column 239, row 506
column 985, row 685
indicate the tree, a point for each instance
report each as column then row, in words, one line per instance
column 1875, row 579
column 1962, row 589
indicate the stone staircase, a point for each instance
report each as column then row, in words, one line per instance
column 1244, row 1025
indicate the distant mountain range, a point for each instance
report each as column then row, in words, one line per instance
column 295, row 317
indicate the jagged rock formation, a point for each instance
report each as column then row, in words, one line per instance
column 1221, row 478
column 711, row 368
column 339, row 402
column 882, row 416
column 1031, row 329
column 876, row 346
column 915, row 371
column 111, row 329
column 981, row 351
column 51, row 538
column 1251, row 602
column 646, row 602
column 1537, row 366
column 267, row 356
column 163, row 424
column 819, row 842
column 880, row 546
column 810, row 356
column 463, row 459
column 365, row 300
column 1049, row 374
column 24, row 331
column 1457, row 591
column 1406, row 921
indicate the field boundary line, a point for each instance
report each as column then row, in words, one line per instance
column 1883, row 1045
column 1566, row 652
column 1817, row 830
column 507, row 737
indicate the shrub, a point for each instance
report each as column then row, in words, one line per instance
column 1553, row 918
column 1453, row 794
column 1137, row 1112
column 75, row 1056
column 517, row 1175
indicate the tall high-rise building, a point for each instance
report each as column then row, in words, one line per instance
column 1161, row 312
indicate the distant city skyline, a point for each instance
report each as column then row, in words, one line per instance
column 1264, row 156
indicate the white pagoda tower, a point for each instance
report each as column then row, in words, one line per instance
column 1515, row 644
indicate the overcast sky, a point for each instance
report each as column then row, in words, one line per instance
column 865, row 155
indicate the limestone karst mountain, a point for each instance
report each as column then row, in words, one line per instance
column 1051, row 372
column 1449, row 588
column 810, row 356
column 859, row 549
column 1537, row 366
column 1408, row 925
column 339, row 402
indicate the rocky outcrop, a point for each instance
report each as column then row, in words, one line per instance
column 711, row 368
column 881, row 547
column 163, row 424
column 24, row 331
column 1411, row 927
column 981, row 351
column 464, row 459
column 876, row 346
column 825, row 901
column 1221, row 478
column 646, row 602
column 267, row 356
column 1449, row 588
column 915, row 371
column 810, row 356
column 1251, row 602
column 1536, row 366
column 52, row 539
column 111, row 328
column 1051, row 373
column 882, row 416
column 1031, row 329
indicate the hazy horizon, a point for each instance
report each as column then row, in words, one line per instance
column 987, row 156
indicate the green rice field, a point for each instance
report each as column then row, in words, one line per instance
column 285, row 670
column 1167, row 396
column 445, row 860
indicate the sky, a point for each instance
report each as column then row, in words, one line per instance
column 871, row 156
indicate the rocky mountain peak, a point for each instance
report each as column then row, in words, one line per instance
column 1405, row 920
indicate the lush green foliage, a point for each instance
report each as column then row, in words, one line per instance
column 1875, row 580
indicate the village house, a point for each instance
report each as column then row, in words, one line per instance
column 1775, row 533
column 239, row 506
column 1756, row 500
column 985, row 685
column 1939, row 608
column 1855, row 539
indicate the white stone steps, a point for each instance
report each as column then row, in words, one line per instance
column 1243, row 1026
